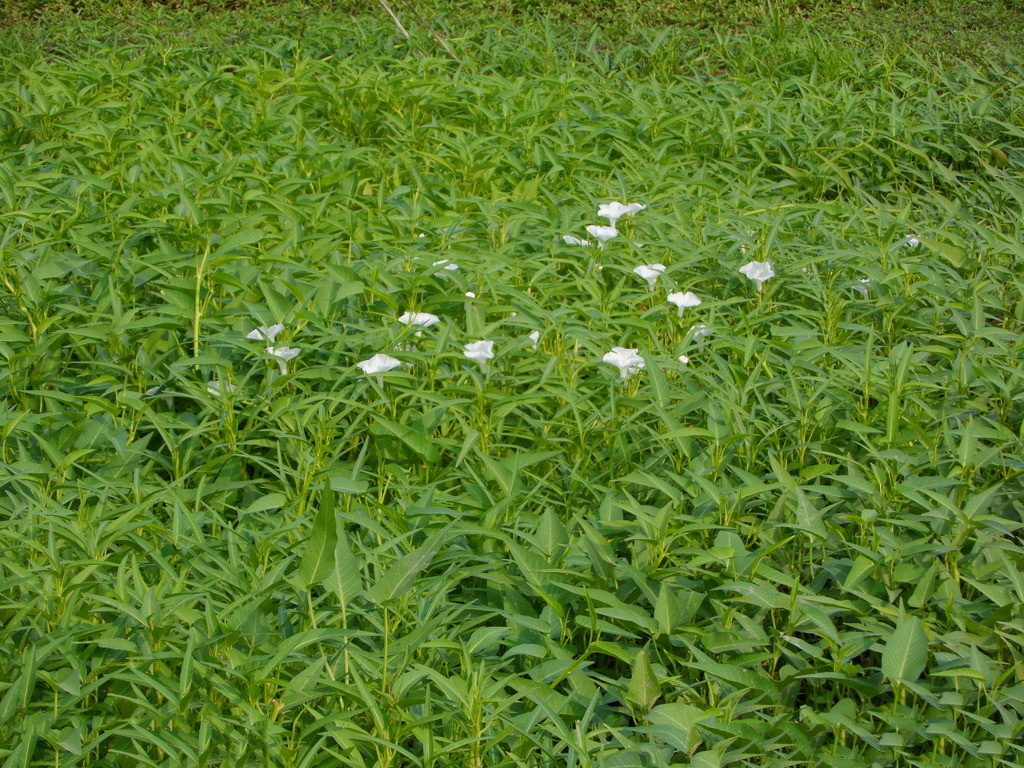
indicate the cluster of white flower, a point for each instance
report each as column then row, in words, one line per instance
column 266, row 334
column 626, row 359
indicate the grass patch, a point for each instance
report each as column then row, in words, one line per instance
column 802, row 546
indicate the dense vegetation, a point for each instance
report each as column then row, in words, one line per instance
column 801, row 545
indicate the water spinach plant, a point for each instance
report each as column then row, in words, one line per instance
column 352, row 414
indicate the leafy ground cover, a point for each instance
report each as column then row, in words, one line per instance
column 800, row 546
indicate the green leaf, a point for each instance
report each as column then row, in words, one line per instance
column 419, row 442
column 344, row 578
column 551, row 536
column 659, row 386
column 400, row 576
column 343, row 481
column 267, row 502
column 906, row 652
column 666, row 610
column 319, row 558
column 644, row 688
column 678, row 723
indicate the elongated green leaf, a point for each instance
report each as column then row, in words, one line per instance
column 344, row 578
column 666, row 610
column 551, row 535
column 415, row 440
column 321, row 550
column 678, row 723
column 401, row 576
column 906, row 652
column 644, row 688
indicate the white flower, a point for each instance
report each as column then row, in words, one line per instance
column 650, row 273
column 470, row 294
column 422, row 319
column 603, row 234
column 626, row 360
column 215, row 388
column 378, row 364
column 684, row 300
column 535, row 338
column 283, row 355
column 614, row 211
column 700, row 332
column 480, row 351
column 263, row 333
column 862, row 286
column 448, row 265
column 911, row 241
column 570, row 240
column 758, row 271
column 169, row 399
column 684, row 360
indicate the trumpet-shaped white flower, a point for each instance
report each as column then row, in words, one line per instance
column 263, row 333
column 911, row 241
column 480, row 351
column 216, row 388
column 570, row 240
column 758, row 271
column 650, row 273
column 625, row 359
column 450, row 266
column 535, row 338
column 422, row 319
column 377, row 365
column 684, row 300
column 470, row 295
column 700, row 331
column 614, row 211
column 283, row 355
column 603, row 234
column 684, row 360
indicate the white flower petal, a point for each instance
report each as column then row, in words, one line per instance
column 422, row 319
column 615, row 210
column 684, row 300
column 625, row 359
column 603, row 234
column 570, row 240
column 650, row 273
column 758, row 271
column 480, row 351
column 378, row 364
column 263, row 333
column 215, row 388
column 283, row 353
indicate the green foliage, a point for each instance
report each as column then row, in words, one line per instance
column 803, row 546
